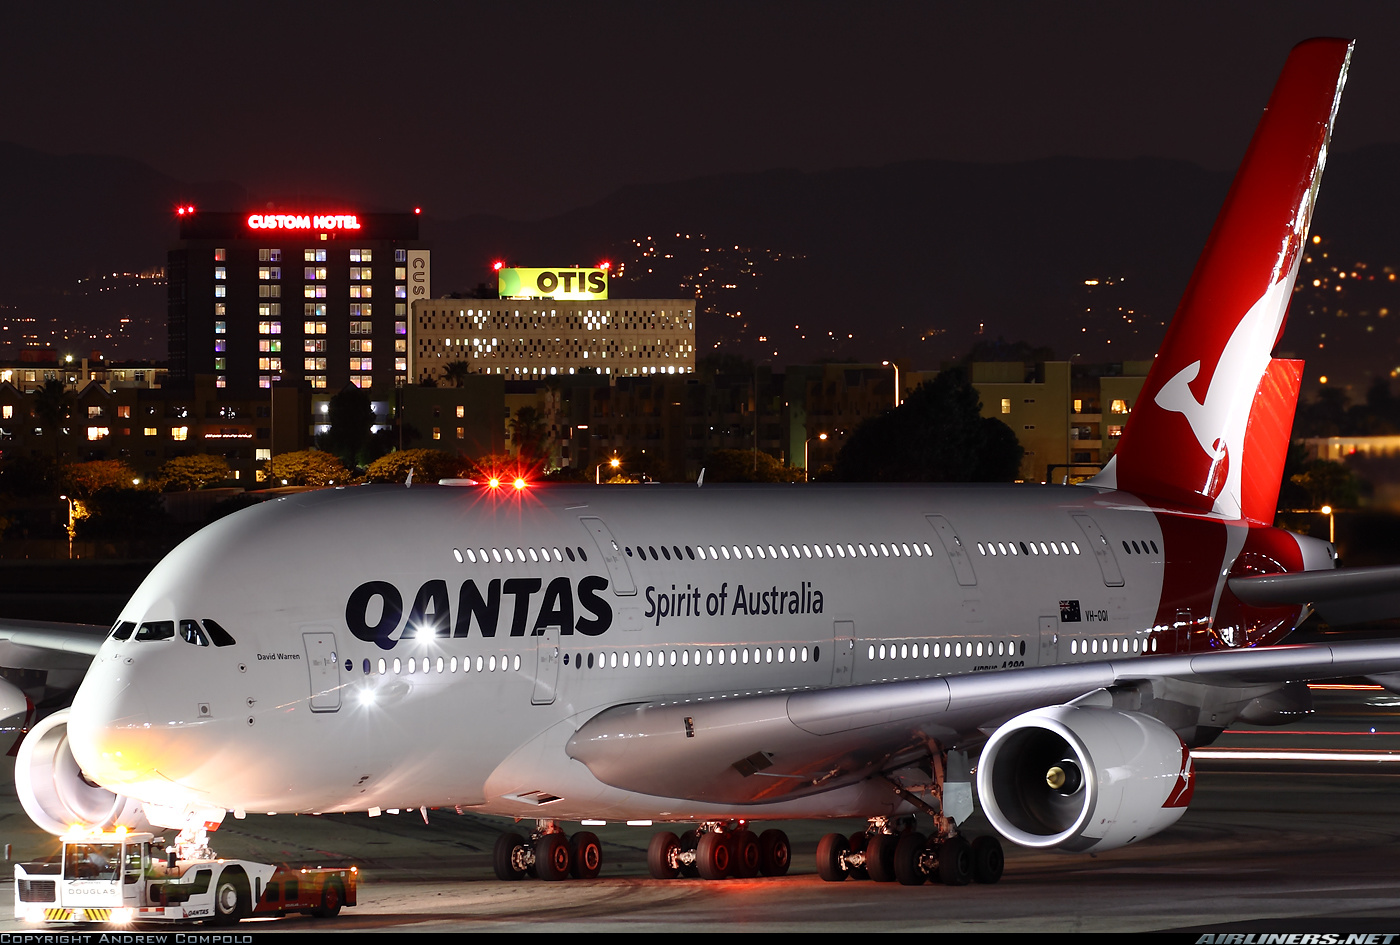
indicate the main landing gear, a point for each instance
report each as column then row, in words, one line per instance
column 895, row 852
column 548, row 854
column 716, row 850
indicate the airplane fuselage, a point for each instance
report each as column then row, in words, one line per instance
column 431, row 646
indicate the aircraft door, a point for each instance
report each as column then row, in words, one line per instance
column 1103, row 551
column 324, row 669
column 1049, row 641
column 957, row 554
column 618, row 572
column 844, row 652
column 547, row 655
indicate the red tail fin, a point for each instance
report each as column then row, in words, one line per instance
column 1199, row 436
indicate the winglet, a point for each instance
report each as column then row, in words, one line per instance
column 1197, row 435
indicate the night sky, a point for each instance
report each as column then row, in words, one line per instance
column 530, row 109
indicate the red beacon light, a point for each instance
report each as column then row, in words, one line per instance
column 520, row 484
column 184, row 211
column 498, row 265
column 605, row 265
column 417, row 209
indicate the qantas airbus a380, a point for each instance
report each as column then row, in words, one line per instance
column 721, row 656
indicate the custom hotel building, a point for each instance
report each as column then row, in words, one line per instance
column 320, row 299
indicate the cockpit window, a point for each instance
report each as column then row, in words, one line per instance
column 218, row 634
column 156, row 630
column 122, row 631
column 190, row 633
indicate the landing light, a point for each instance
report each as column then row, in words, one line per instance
column 367, row 697
column 494, row 482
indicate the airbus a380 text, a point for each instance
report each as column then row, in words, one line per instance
column 722, row 656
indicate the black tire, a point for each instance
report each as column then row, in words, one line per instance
column 503, row 856
column 831, row 852
column 879, row 857
column 332, row 898
column 774, row 853
column 744, row 855
column 552, row 857
column 907, row 869
column 231, row 898
column 988, row 862
column 857, row 844
column 689, row 840
column 713, row 856
column 661, row 855
column 955, row 862
column 585, row 855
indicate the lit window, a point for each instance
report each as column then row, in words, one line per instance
column 273, row 345
column 361, row 273
column 269, row 273
column 314, row 309
column 400, row 255
column 179, row 433
column 400, row 291
column 94, row 413
column 313, row 328
column 314, row 255
column 314, row 364
column 220, row 272
column 401, row 273
column 97, row 433
column 316, row 291
column 269, row 291
column 221, row 364
column 269, row 364
column 362, row 255
column 220, row 308
column 401, row 328
column 122, row 411
column 461, row 433
column 361, row 309
column 220, row 328
column 361, row 364
column 220, row 291
column 220, row 255
column 437, row 433
column 401, row 364
column 361, row 345
column 1118, row 406
column 150, row 431
column 1006, row 405
column 461, row 411
column 361, row 291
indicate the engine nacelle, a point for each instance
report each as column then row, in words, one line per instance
column 53, row 791
column 1080, row 778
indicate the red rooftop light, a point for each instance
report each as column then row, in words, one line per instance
column 417, row 209
column 605, row 265
column 498, row 265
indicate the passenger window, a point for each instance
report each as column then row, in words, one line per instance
column 652, row 549
column 570, row 553
column 156, row 630
column 190, row 633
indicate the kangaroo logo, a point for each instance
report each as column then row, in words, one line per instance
column 1219, row 421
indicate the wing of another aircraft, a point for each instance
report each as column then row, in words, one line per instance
column 767, row 747
column 1350, row 595
column 41, row 644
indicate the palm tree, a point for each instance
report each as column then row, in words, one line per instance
column 456, row 372
column 52, row 405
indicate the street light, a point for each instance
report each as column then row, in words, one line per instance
column 598, row 470
column 1331, row 523
column 70, row 525
column 820, row 436
column 896, row 379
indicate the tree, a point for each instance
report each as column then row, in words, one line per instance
column 427, row 466
column 738, row 466
column 351, row 418
column 82, row 480
column 123, row 513
column 531, row 434
column 937, row 435
column 306, row 468
column 1328, row 483
column 457, row 372
column 187, row 473
column 53, row 405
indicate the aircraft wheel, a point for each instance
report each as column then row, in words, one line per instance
column 955, row 862
column 586, row 856
column 774, row 853
column 689, row 840
column 856, row 844
column 746, row 859
column 907, row 869
column 712, row 855
column 661, row 855
column 503, row 856
column 830, row 850
column 988, row 862
column 879, row 857
column 552, row 857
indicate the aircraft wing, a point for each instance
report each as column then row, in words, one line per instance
column 765, row 747
column 40, row 644
column 1343, row 596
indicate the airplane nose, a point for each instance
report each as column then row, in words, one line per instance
column 110, row 730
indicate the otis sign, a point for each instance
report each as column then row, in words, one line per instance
column 303, row 221
column 554, row 283
column 375, row 610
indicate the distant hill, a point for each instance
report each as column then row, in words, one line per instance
column 916, row 260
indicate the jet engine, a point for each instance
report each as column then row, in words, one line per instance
column 53, row 790
column 1079, row 778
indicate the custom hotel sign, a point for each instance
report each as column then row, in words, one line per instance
column 554, row 284
column 303, row 221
